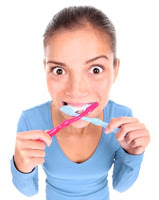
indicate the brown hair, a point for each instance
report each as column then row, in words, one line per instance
column 81, row 17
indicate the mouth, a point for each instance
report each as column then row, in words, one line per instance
column 77, row 107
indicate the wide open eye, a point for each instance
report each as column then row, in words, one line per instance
column 58, row 71
column 96, row 69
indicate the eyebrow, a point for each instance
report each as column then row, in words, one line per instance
column 87, row 62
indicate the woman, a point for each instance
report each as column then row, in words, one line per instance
column 81, row 66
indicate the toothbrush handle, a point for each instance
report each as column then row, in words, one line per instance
column 65, row 123
column 53, row 131
column 96, row 121
column 99, row 122
column 103, row 124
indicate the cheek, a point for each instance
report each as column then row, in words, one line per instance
column 54, row 86
column 103, row 86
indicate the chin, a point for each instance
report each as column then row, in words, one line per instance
column 80, row 124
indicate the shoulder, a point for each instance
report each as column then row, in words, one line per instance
column 115, row 110
column 37, row 109
column 36, row 117
column 118, row 107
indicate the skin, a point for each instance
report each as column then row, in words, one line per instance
column 28, row 151
column 77, row 50
column 78, row 83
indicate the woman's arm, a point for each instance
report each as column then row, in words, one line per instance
column 29, row 153
column 26, row 183
column 126, row 169
column 133, row 138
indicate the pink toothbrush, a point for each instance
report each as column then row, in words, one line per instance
column 66, row 122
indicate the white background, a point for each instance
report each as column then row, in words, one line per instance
column 22, row 79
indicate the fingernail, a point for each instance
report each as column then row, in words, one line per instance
column 107, row 130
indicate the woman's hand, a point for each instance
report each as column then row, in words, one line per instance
column 132, row 135
column 29, row 152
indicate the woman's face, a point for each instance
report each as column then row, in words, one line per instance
column 79, row 70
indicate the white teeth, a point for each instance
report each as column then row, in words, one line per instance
column 78, row 109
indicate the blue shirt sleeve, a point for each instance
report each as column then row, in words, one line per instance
column 126, row 168
column 26, row 183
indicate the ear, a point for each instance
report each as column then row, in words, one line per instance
column 116, row 69
column 44, row 63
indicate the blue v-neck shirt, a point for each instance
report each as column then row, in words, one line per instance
column 66, row 180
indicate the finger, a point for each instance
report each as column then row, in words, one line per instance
column 140, row 142
column 117, row 122
column 46, row 130
column 31, row 144
column 34, row 135
column 126, row 128
column 138, row 150
column 37, row 161
column 136, row 134
column 35, row 153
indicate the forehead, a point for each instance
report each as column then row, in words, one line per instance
column 78, row 44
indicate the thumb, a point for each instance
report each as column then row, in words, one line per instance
column 46, row 131
column 107, row 130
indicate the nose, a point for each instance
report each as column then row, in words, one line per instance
column 76, row 87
